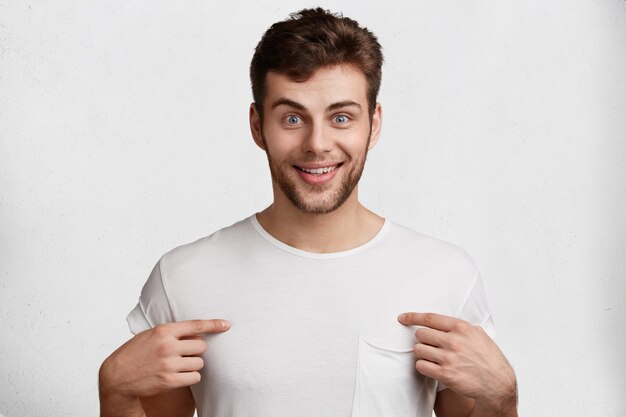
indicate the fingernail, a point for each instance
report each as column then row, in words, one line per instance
column 401, row 317
column 225, row 324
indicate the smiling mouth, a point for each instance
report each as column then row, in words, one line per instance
column 319, row 171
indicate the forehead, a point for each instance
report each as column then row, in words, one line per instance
column 325, row 86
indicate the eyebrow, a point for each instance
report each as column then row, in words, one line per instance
column 345, row 103
column 286, row 102
column 340, row 104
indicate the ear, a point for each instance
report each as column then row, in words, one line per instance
column 377, row 124
column 255, row 126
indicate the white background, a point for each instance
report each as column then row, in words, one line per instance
column 123, row 128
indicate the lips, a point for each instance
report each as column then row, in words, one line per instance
column 318, row 175
column 317, row 171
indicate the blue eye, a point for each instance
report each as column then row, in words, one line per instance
column 293, row 120
column 341, row 119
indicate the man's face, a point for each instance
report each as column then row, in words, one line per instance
column 320, row 123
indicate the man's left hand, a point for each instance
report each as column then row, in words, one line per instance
column 464, row 358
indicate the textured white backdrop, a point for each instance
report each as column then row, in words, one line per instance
column 123, row 133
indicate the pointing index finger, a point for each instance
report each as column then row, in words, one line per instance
column 432, row 320
column 196, row 327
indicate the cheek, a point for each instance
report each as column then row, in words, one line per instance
column 281, row 143
column 356, row 139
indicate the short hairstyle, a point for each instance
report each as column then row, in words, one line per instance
column 312, row 39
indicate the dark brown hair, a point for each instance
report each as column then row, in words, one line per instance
column 311, row 39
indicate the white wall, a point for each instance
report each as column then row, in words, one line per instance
column 123, row 133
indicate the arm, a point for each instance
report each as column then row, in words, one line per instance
column 450, row 404
column 150, row 375
column 176, row 403
column 466, row 360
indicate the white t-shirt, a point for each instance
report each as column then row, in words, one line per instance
column 312, row 334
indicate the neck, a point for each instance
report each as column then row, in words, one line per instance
column 348, row 227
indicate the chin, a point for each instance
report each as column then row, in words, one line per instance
column 324, row 205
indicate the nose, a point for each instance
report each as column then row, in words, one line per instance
column 317, row 139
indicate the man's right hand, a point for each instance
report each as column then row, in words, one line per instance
column 158, row 360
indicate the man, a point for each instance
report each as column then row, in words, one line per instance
column 296, row 310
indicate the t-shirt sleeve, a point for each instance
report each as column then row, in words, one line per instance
column 153, row 307
column 475, row 310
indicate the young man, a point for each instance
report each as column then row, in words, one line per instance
column 297, row 310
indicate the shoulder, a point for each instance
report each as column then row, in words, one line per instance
column 217, row 246
column 407, row 242
column 443, row 270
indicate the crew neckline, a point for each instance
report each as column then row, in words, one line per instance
column 313, row 255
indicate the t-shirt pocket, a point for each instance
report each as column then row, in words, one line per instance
column 388, row 385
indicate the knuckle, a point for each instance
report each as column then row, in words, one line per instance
column 454, row 345
column 197, row 325
column 446, row 358
column 461, row 326
column 428, row 318
column 446, row 372
column 161, row 330
column 165, row 349
column 167, row 366
column 165, row 380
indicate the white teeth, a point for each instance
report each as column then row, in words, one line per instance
column 318, row 170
